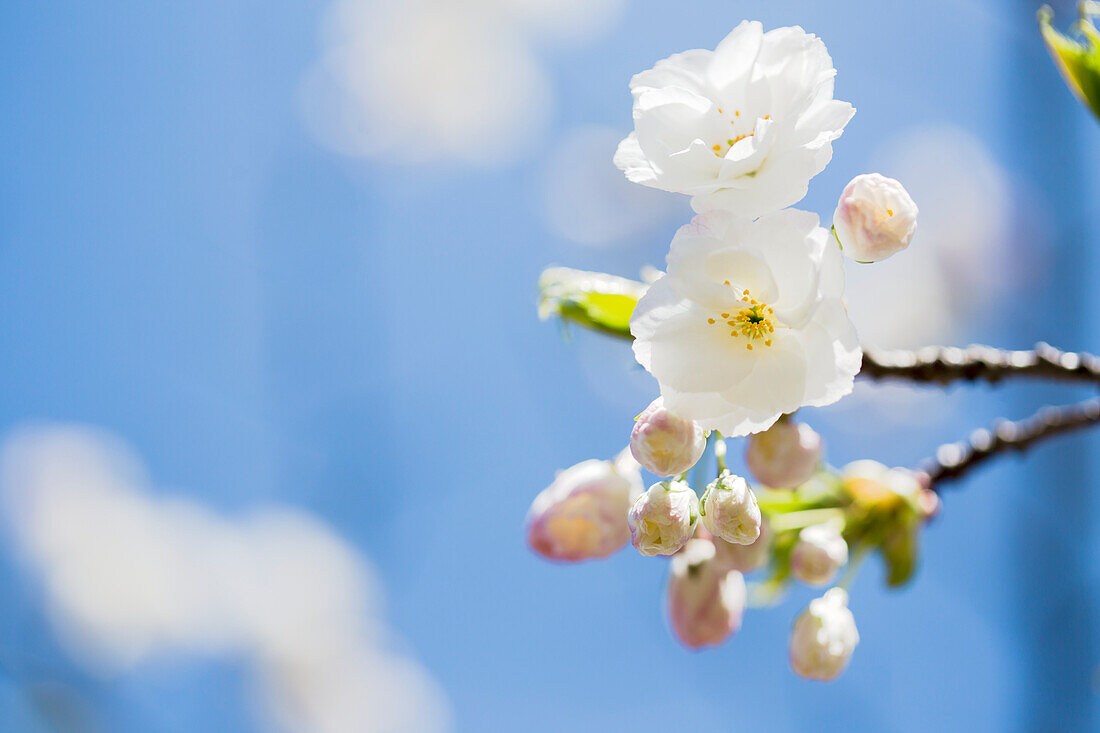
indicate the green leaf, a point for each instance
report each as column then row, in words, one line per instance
column 899, row 552
column 1078, row 62
column 591, row 299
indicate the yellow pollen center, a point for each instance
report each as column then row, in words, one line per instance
column 719, row 152
column 755, row 322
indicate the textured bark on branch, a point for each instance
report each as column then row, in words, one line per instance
column 954, row 460
column 945, row 364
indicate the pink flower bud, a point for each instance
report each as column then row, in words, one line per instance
column 875, row 218
column 785, row 455
column 730, row 511
column 582, row 514
column 824, row 637
column 666, row 444
column 818, row 554
column 706, row 599
column 746, row 558
column 664, row 518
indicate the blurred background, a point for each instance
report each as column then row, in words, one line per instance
column 276, row 400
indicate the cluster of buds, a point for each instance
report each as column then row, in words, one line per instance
column 804, row 523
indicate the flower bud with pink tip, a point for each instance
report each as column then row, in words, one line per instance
column 706, row 599
column 818, row 554
column 785, row 455
column 665, row 443
column 824, row 637
column 582, row 514
column 730, row 511
column 746, row 558
column 874, row 218
column 664, row 518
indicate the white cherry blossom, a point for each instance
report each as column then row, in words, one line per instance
column 748, row 322
column 744, row 127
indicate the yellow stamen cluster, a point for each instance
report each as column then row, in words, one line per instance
column 719, row 152
column 756, row 321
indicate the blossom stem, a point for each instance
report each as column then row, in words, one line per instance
column 945, row 365
column 720, row 453
column 954, row 460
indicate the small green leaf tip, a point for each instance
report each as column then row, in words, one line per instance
column 1078, row 61
column 591, row 299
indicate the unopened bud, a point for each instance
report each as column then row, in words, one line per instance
column 785, row 455
column 818, row 554
column 730, row 511
column 706, row 599
column 664, row 518
column 824, row 637
column 665, row 443
column 582, row 514
column 875, row 218
column 746, row 558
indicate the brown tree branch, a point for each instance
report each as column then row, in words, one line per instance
column 954, row 460
column 944, row 364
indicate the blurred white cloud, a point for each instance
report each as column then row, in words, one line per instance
column 439, row 80
column 571, row 20
column 589, row 201
column 128, row 575
column 961, row 260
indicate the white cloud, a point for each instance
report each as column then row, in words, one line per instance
column 128, row 575
column 439, row 80
column 577, row 20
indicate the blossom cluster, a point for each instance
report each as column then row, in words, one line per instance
column 745, row 326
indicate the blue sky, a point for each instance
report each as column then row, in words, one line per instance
column 268, row 321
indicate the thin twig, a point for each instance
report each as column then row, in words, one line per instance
column 944, row 364
column 954, row 460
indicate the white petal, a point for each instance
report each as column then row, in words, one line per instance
column 630, row 159
column 736, row 54
column 686, row 70
column 833, row 355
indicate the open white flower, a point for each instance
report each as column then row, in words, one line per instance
column 582, row 514
column 874, row 218
column 748, row 322
column 744, row 127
